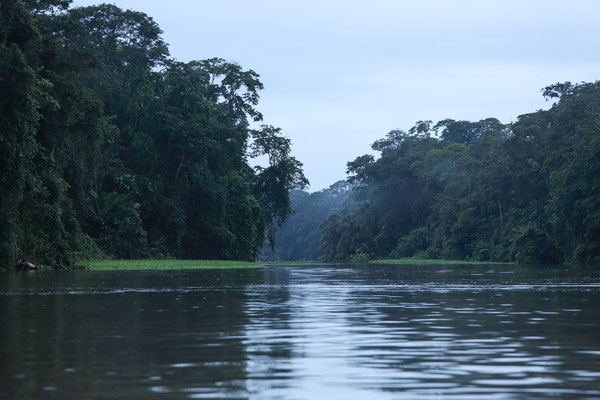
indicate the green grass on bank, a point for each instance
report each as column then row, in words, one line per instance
column 417, row 261
column 141, row 265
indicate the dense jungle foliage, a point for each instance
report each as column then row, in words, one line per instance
column 109, row 146
column 527, row 192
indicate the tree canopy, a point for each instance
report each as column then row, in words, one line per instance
column 109, row 146
column 526, row 191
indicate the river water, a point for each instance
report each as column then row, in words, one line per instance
column 303, row 332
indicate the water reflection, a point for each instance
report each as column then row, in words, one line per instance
column 303, row 333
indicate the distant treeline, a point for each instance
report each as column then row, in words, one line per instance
column 527, row 192
column 300, row 236
column 109, row 146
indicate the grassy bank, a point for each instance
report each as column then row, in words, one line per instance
column 143, row 265
column 418, row 261
column 140, row 265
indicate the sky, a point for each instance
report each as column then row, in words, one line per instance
column 339, row 75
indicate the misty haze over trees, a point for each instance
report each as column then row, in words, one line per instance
column 527, row 192
column 299, row 238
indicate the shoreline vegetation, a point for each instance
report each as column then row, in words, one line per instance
column 112, row 148
column 526, row 192
column 176, row 264
column 418, row 261
column 144, row 265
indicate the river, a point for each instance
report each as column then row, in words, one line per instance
column 302, row 332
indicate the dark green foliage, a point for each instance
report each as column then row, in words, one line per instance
column 37, row 222
column 149, row 156
column 413, row 244
column 532, row 246
column 113, row 216
column 527, row 192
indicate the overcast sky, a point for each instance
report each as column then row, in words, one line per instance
column 339, row 75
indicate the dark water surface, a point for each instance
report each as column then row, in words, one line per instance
column 319, row 332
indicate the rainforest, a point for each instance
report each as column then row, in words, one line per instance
column 525, row 192
column 111, row 148
column 159, row 238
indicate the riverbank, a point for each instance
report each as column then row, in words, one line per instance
column 417, row 261
column 141, row 265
